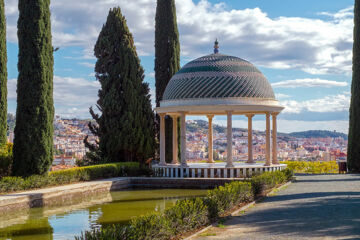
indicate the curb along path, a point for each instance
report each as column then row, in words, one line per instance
column 314, row 206
column 66, row 194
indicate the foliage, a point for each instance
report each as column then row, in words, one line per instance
column 77, row 174
column 262, row 183
column 353, row 151
column 3, row 76
column 126, row 125
column 189, row 214
column 167, row 60
column 318, row 134
column 312, row 167
column 33, row 143
column 6, row 159
column 224, row 198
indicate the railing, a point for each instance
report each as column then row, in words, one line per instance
column 236, row 172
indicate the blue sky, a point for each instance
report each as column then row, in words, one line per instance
column 302, row 47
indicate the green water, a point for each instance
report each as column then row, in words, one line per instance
column 66, row 221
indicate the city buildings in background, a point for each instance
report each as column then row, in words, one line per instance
column 69, row 135
column 289, row 148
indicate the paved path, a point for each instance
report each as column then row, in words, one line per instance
column 313, row 207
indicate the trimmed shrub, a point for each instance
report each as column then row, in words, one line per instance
column 266, row 181
column 6, row 160
column 312, row 167
column 77, row 174
column 187, row 214
column 190, row 214
column 224, row 198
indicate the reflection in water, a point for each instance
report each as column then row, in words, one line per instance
column 64, row 222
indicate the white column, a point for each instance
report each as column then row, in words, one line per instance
column 183, row 139
column 274, row 138
column 210, row 139
column 250, row 139
column 229, row 140
column 267, row 151
column 162, row 139
column 174, row 140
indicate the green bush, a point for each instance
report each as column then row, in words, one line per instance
column 262, row 183
column 190, row 214
column 77, row 174
column 6, row 160
column 187, row 214
column 224, row 198
column 313, row 167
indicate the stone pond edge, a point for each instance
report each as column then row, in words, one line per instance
column 237, row 211
column 60, row 195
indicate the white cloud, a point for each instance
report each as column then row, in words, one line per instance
column 314, row 45
column 336, row 103
column 152, row 74
column 72, row 96
column 344, row 13
column 308, row 82
column 281, row 96
column 87, row 64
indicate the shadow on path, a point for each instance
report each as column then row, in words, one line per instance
column 287, row 197
column 306, row 215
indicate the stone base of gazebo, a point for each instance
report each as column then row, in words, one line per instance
column 214, row 170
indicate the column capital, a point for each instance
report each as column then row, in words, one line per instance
column 162, row 114
column 274, row 114
column 174, row 116
column 250, row 115
column 210, row 116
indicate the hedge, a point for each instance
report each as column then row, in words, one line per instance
column 313, row 167
column 190, row 214
column 6, row 157
column 77, row 174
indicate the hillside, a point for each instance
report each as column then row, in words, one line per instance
column 318, row 134
column 201, row 125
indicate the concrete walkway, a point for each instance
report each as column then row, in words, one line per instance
column 313, row 207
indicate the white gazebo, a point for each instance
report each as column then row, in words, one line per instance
column 212, row 85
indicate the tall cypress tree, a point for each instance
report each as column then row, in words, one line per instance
column 354, row 124
column 3, row 76
column 167, row 59
column 33, row 143
column 126, row 125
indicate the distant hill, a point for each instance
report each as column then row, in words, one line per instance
column 318, row 134
column 201, row 125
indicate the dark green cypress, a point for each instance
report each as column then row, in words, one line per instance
column 126, row 125
column 354, row 124
column 3, row 76
column 33, row 143
column 167, row 59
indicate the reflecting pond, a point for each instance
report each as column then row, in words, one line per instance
column 64, row 222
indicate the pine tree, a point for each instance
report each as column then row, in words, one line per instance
column 167, row 59
column 354, row 125
column 33, row 143
column 3, row 76
column 126, row 125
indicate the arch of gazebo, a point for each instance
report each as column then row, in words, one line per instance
column 249, row 110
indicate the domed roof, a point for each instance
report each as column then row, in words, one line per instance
column 218, row 76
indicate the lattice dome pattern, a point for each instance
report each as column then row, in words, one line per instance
column 218, row 76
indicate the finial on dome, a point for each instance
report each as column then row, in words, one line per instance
column 216, row 47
